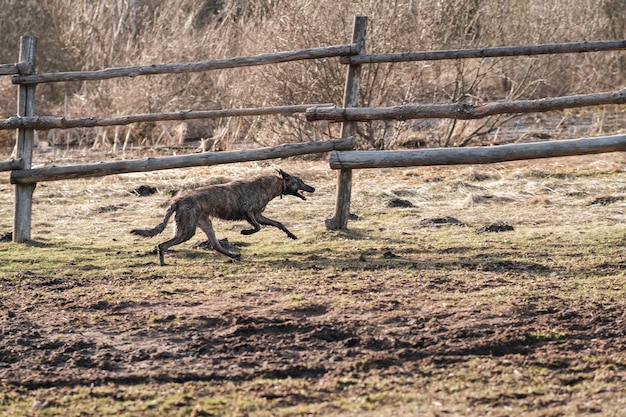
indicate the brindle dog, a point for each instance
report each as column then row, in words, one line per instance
column 237, row 200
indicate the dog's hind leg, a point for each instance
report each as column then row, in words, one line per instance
column 269, row 222
column 207, row 228
column 186, row 223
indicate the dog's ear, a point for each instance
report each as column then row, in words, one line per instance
column 283, row 173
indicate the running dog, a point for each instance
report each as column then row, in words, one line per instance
column 237, row 200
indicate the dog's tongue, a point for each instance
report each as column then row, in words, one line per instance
column 301, row 192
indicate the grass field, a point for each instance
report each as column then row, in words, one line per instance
column 495, row 290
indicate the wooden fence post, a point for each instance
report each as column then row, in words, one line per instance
column 348, row 129
column 25, row 138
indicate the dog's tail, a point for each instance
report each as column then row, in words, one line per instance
column 160, row 227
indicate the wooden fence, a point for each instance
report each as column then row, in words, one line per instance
column 342, row 157
column 350, row 114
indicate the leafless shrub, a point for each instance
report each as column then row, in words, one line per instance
column 94, row 35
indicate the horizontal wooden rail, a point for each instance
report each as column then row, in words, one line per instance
column 55, row 122
column 476, row 155
column 501, row 51
column 262, row 59
column 12, row 164
column 462, row 110
column 183, row 161
column 9, row 69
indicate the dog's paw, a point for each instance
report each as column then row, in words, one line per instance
column 247, row 231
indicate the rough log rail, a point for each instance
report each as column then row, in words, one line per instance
column 476, row 155
column 31, row 176
column 463, row 110
column 502, row 51
column 12, row 164
column 262, row 59
column 55, row 122
column 9, row 69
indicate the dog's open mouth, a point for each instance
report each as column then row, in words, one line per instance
column 303, row 190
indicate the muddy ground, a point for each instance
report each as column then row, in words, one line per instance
column 57, row 342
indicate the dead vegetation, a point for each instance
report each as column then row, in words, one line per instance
column 100, row 35
column 407, row 312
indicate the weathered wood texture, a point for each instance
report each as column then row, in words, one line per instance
column 54, row 122
column 31, row 176
column 463, row 110
column 25, row 139
column 12, row 164
column 476, row 155
column 8, row 69
column 348, row 129
column 262, row 59
column 502, row 51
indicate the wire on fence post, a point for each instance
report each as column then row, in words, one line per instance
column 350, row 99
column 25, row 138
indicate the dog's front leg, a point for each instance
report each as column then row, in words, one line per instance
column 251, row 218
column 269, row 222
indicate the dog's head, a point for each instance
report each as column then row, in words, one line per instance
column 294, row 185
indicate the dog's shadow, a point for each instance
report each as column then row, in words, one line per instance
column 206, row 245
